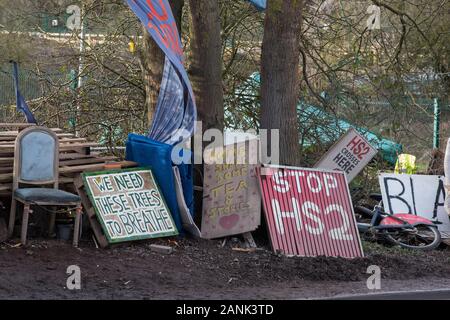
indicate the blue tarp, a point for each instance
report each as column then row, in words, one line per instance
column 330, row 129
column 327, row 128
column 260, row 4
column 158, row 156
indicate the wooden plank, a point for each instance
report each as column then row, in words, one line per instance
column 16, row 125
column 75, row 155
column 87, row 207
column 16, row 132
column 94, row 167
column 6, row 177
column 86, row 161
column 6, row 160
column 62, row 146
column 72, row 140
column 66, row 146
column 7, row 138
column 62, row 156
column 6, row 169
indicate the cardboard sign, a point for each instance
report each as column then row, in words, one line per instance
column 309, row 212
column 420, row 195
column 351, row 153
column 129, row 205
column 231, row 198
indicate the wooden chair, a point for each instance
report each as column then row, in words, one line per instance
column 36, row 163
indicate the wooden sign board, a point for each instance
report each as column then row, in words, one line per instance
column 231, row 198
column 129, row 204
column 416, row 194
column 309, row 212
column 350, row 154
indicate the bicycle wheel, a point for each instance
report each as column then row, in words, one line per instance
column 422, row 237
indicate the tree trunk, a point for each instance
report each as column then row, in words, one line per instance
column 206, row 65
column 153, row 63
column 280, row 75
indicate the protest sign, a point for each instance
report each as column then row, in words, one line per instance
column 420, row 195
column 129, row 204
column 231, row 198
column 351, row 153
column 309, row 212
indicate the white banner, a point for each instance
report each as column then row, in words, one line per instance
column 420, row 195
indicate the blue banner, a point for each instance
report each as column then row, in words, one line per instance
column 21, row 104
column 260, row 4
column 176, row 113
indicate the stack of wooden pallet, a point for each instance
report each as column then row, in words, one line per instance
column 75, row 157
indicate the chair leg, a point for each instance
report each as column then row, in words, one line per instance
column 76, row 231
column 26, row 213
column 12, row 217
column 51, row 227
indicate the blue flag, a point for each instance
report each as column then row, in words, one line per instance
column 20, row 101
column 260, row 4
column 176, row 113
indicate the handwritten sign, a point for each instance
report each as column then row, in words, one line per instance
column 231, row 199
column 351, row 153
column 416, row 194
column 309, row 212
column 129, row 205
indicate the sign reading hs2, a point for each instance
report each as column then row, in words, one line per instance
column 309, row 212
column 351, row 153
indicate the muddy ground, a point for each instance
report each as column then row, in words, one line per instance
column 201, row 269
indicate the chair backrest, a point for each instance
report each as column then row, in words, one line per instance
column 36, row 157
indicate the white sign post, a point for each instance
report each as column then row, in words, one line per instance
column 351, row 153
column 447, row 176
column 420, row 195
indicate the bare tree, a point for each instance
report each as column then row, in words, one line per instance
column 206, row 62
column 279, row 75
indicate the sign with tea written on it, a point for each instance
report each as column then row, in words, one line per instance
column 129, row 205
column 231, row 198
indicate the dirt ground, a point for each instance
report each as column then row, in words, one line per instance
column 201, row 269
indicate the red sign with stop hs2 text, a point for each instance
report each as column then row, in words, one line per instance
column 309, row 212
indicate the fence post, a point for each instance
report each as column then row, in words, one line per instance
column 437, row 116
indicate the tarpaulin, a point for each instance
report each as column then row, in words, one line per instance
column 260, row 4
column 20, row 101
column 176, row 113
column 156, row 155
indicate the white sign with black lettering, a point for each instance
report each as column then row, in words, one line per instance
column 420, row 195
column 351, row 153
column 129, row 204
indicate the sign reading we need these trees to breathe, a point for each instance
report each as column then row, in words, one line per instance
column 129, row 205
